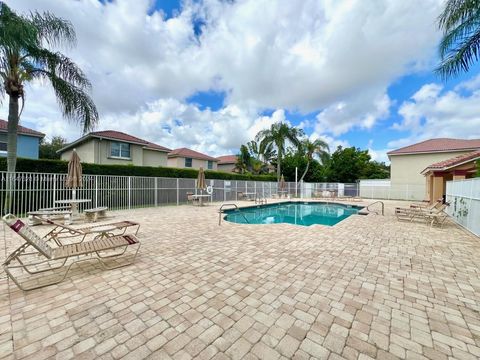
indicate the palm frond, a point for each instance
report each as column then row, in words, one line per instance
column 457, row 11
column 461, row 58
column 53, row 30
column 75, row 103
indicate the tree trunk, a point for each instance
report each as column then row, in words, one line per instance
column 279, row 171
column 11, row 151
column 305, row 172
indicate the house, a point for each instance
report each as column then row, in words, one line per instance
column 409, row 163
column 227, row 163
column 187, row 158
column 28, row 141
column 116, row 148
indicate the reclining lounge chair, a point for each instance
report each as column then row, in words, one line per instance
column 51, row 262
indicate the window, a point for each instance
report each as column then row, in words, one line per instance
column 3, row 146
column 210, row 164
column 120, row 150
column 188, row 162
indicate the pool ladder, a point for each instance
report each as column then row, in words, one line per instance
column 375, row 211
column 222, row 208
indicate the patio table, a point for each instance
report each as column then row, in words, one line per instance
column 201, row 197
column 250, row 195
column 74, row 204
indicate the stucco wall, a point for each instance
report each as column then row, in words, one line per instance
column 98, row 152
column 154, row 158
column 85, row 151
column 226, row 167
column 27, row 146
column 179, row 162
column 406, row 169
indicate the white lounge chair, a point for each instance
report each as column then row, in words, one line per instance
column 53, row 264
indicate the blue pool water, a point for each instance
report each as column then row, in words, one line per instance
column 298, row 213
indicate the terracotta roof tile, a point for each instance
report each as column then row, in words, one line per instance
column 184, row 152
column 457, row 160
column 437, row 145
column 227, row 159
column 21, row 129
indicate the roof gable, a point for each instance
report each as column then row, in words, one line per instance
column 22, row 130
column 189, row 153
column 438, row 145
column 118, row 136
column 227, row 159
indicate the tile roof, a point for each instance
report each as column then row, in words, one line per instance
column 188, row 153
column 457, row 160
column 438, row 145
column 21, row 129
column 117, row 135
column 227, row 159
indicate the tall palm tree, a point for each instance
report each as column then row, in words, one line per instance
column 460, row 45
column 311, row 148
column 261, row 151
column 278, row 135
column 26, row 54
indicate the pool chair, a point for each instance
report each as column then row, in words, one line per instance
column 408, row 214
column 43, row 265
column 61, row 232
column 436, row 218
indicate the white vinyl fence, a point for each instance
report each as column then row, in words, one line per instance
column 464, row 199
column 33, row 191
column 383, row 189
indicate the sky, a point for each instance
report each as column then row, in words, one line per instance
column 210, row 74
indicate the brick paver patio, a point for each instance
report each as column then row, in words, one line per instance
column 369, row 287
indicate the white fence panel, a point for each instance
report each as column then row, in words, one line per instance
column 464, row 199
column 384, row 189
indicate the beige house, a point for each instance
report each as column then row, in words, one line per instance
column 187, row 158
column 116, row 148
column 227, row 163
column 408, row 163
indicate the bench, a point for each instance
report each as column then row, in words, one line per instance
column 95, row 213
column 35, row 217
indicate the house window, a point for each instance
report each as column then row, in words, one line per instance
column 210, row 164
column 3, row 146
column 120, row 150
column 188, row 162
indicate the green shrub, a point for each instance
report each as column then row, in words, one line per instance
column 59, row 166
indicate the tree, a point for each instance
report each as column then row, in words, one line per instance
column 348, row 165
column 243, row 160
column 48, row 150
column 278, row 135
column 311, row 148
column 460, row 45
column 261, row 151
column 26, row 54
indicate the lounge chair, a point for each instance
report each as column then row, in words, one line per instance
column 60, row 231
column 55, row 258
column 436, row 218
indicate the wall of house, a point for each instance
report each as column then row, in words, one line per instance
column 179, row 162
column 406, row 169
column 27, row 146
column 226, row 167
column 86, row 152
column 154, row 158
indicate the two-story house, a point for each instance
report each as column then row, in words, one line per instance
column 187, row 158
column 28, row 141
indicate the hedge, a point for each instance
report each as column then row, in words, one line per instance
column 60, row 166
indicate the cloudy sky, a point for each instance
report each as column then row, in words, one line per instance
column 210, row 74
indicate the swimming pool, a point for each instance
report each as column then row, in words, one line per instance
column 298, row 213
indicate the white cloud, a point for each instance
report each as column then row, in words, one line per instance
column 331, row 56
column 432, row 112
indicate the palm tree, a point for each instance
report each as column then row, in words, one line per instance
column 26, row 55
column 311, row 148
column 460, row 45
column 261, row 151
column 278, row 135
column 244, row 160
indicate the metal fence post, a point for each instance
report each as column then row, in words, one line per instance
column 129, row 192
column 54, row 188
column 156, row 191
column 236, row 190
column 178, row 191
column 96, row 190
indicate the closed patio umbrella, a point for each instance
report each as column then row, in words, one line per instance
column 201, row 183
column 74, row 176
